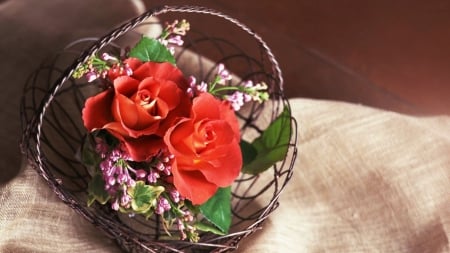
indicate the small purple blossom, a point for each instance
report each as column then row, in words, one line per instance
column 140, row 173
column 125, row 200
column 180, row 225
column 203, row 87
column 175, row 195
column 236, row 99
column 181, row 228
column 111, row 181
column 162, row 206
column 177, row 40
column 91, row 76
column 115, row 205
column 128, row 70
column 248, row 85
column 195, row 89
column 108, row 57
column 223, row 73
column 187, row 217
column 153, row 176
column 122, row 178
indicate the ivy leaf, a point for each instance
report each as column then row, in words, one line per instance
column 217, row 210
column 96, row 190
column 270, row 147
column 207, row 227
column 148, row 49
column 88, row 156
column 143, row 197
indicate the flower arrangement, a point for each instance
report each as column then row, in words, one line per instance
column 160, row 143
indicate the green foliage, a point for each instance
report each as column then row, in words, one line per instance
column 217, row 210
column 148, row 49
column 144, row 197
column 88, row 155
column 270, row 147
column 208, row 227
column 96, row 189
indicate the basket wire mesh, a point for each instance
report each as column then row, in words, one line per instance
column 53, row 132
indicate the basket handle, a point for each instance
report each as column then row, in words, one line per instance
column 182, row 9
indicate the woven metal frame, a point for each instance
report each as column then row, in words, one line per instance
column 53, row 132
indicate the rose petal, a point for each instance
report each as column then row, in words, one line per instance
column 133, row 63
column 116, row 128
column 151, row 85
column 170, row 93
column 228, row 114
column 126, row 85
column 178, row 138
column 162, row 71
column 180, row 112
column 193, row 185
column 206, row 106
column 143, row 148
column 97, row 110
column 225, row 164
column 135, row 119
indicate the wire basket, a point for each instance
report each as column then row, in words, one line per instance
column 53, row 130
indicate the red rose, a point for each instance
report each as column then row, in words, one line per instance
column 206, row 149
column 140, row 108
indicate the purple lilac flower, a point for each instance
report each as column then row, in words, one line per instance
column 236, row 99
column 91, row 76
column 248, row 85
column 175, row 195
column 223, row 73
column 153, row 176
column 140, row 174
column 177, row 40
column 202, row 87
column 181, row 228
column 164, row 164
column 115, row 205
column 108, row 57
column 195, row 89
column 162, row 206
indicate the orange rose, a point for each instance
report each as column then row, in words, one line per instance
column 140, row 108
column 206, row 149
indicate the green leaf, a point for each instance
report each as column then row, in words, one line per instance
column 96, row 190
column 148, row 49
column 143, row 197
column 207, row 227
column 217, row 209
column 271, row 147
column 89, row 156
column 249, row 152
column 103, row 134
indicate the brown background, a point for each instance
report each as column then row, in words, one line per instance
column 390, row 54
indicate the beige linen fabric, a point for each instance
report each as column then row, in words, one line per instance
column 33, row 219
column 365, row 180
